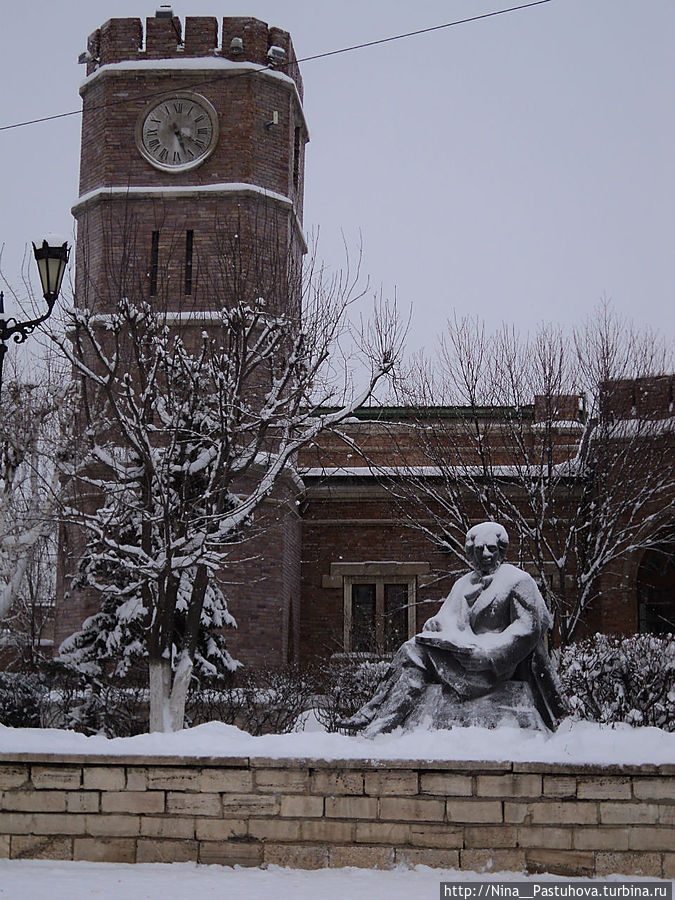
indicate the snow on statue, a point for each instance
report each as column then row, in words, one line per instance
column 480, row 661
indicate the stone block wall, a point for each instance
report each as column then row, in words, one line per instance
column 568, row 820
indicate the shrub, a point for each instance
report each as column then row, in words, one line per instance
column 345, row 684
column 20, row 698
column 630, row 680
column 93, row 706
column 110, row 709
column 263, row 700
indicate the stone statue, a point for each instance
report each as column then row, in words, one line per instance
column 481, row 660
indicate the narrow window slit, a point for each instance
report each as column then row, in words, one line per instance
column 296, row 157
column 154, row 263
column 189, row 241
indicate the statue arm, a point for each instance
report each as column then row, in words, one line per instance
column 448, row 614
column 529, row 620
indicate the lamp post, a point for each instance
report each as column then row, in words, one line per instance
column 52, row 258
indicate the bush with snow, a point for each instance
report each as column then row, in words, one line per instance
column 632, row 680
column 114, row 640
column 344, row 686
column 264, row 700
column 79, row 702
column 20, row 698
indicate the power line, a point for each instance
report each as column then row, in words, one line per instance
column 399, row 37
column 387, row 40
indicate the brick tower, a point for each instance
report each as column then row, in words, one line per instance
column 192, row 143
column 183, row 139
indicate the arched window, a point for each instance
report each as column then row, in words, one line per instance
column 656, row 589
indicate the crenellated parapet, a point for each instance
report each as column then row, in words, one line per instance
column 240, row 39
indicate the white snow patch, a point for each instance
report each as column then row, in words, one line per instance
column 558, row 423
column 68, row 880
column 573, row 743
column 224, row 187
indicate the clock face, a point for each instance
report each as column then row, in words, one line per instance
column 177, row 131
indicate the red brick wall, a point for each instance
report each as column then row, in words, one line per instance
column 247, row 151
column 647, row 398
column 114, row 252
column 422, row 439
column 351, row 526
column 262, row 582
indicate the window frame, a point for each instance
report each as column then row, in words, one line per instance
column 379, row 580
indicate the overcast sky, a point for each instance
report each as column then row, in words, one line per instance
column 519, row 167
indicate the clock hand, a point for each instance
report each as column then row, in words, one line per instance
column 179, row 136
column 196, row 141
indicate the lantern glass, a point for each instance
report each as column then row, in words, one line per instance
column 52, row 259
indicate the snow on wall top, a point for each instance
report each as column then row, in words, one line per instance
column 575, row 743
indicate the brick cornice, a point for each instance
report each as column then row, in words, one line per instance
column 184, row 191
column 209, row 68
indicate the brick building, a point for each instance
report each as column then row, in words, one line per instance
column 373, row 539
column 188, row 134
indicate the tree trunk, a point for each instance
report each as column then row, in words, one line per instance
column 167, row 697
column 159, row 671
column 181, row 682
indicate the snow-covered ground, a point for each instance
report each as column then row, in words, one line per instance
column 574, row 742
column 76, row 880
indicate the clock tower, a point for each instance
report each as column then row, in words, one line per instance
column 191, row 187
column 187, row 137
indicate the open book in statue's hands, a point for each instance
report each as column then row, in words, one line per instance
column 451, row 641
column 447, row 636
column 465, row 646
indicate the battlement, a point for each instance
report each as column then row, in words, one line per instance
column 242, row 39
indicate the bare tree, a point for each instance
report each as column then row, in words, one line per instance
column 28, row 629
column 534, row 432
column 36, row 460
column 627, row 458
column 194, row 420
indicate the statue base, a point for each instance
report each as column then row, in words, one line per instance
column 511, row 704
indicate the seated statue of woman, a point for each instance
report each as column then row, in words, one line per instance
column 485, row 648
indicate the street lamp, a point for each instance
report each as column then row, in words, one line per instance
column 51, row 256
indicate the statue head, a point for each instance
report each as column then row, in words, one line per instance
column 485, row 546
